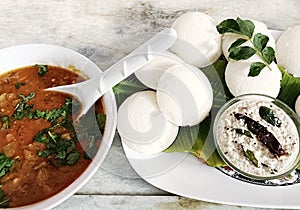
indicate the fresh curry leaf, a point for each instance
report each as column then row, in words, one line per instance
column 42, row 69
column 236, row 44
column 241, row 53
column 256, row 68
column 268, row 55
column 260, row 41
column 229, row 26
column 268, row 115
column 246, row 27
column 238, row 26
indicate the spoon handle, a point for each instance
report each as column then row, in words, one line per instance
column 136, row 59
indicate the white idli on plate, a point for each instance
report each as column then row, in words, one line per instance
column 198, row 41
column 142, row 126
column 185, row 95
column 297, row 106
column 229, row 38
column 239, row 83
column 151, row 72
column 288, row 50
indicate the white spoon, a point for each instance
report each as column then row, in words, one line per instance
column 88, row 92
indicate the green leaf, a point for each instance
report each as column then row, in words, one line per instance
column 268, row 55
column 101, row 119
column 250, row 155
column 290, row 89
column 4, row 202
column 243, row 132
column 42, row 69
column 241, row 53
column 5, row 164
column 229, row 26
column 268, row 115
column 126, row 88
column 5, row 119
column 204, row 147
column 256, row 68
column 185, row 139
column 260, row 41
column 237, row 43
column 72, row 158
column 246, row 27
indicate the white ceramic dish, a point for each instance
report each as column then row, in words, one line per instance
column 185, row 175
column 26, row 55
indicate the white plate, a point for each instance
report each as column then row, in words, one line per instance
column 185, row 175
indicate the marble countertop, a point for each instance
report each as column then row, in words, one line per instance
column 99, row 29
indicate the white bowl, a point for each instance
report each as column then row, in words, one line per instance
column 27, row 55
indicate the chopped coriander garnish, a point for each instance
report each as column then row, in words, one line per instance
column 5, row 119
column 101, row 119
column 42, row 69
column 18, row 85
column 5, row 164
column 63, row 151
column 23, row 109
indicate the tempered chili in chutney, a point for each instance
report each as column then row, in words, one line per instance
column 40, row 152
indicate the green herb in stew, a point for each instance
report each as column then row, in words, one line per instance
column 42, row 69
column 5, row 121
column 23, row 109
column 4, row 201
column 5, row 164
column 18, row 85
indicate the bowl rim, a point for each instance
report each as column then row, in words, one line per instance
column 295, row 118
column 109, row 132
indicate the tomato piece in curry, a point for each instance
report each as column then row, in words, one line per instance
column 40, row 150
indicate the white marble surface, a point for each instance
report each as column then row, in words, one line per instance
column 105, row 31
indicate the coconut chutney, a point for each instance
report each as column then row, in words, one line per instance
column 244, row 149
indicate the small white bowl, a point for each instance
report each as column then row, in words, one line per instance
column 28, row 55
